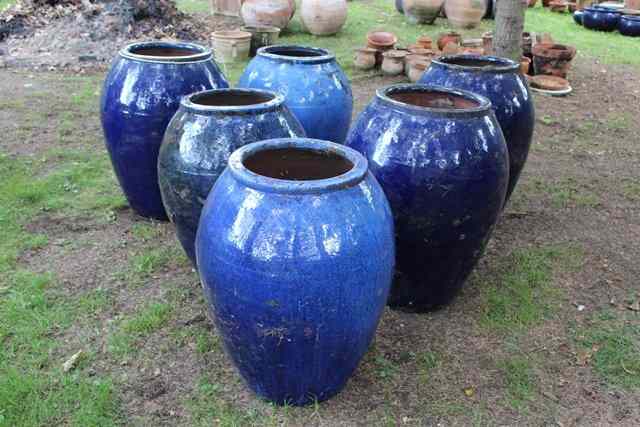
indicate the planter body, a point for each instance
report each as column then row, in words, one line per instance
column 306, row 275
column 315, row 88
column 629, row 26
column 231, row 46
column 422, row 11
column 140, row 96
column 553, row 59
column 510, row 98
column 465, row 13
column 445, row 173
column 577, row 16
column 198, row 143
column 273, row 13
column 323, row 17
column 600, row 18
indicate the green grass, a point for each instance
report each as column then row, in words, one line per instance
column 208, row 409
column 519, row 381
column 147, row 321
column 523, row 294
column 193, row 6
column 6, row 3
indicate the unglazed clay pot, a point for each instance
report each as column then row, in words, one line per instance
column 499, row 80
column 417, row 68
column 441, row 159
column 465, row 13
column 365, row 58
column 553, row 59
column 323, row 17
column 393, row 62
column 273, row 13
column 422, row 11
column 450, row 37
column 295, row 251
column 314, row 87
column 141, row 94
column 207, row 128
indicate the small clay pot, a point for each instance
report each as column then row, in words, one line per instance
column 381, row 40
column 393, row 62
column 417, row 69
column 451, row 49
column 420, row 51
column 552, row 59
column 525, row 64
column 365, row 58
column 487, row 42
column 446, row 38
column 558, row 6
column 425, row 42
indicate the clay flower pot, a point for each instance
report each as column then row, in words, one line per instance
column 487, row 42
column 422, row 11
column 381, row 40
column 525, row 63
column 558, row 6
column 417, row 68
column 323, row 17
column 425, row 42
column 450, row 37
column 553, row 59
column 393, row 62
column 465, row 13
column 273, row 13
column 365, row 58
column 231, row 46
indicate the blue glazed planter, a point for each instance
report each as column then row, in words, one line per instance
column 629, row 25
column 140, row 95
column 499, row 80
column 577, row 16
column 315, row 88
column 440, row 156
column 207, row 128
column 295, row 251
column 600, row 18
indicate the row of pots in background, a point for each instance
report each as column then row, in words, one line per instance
column 318, row 17
column 459, row 13
column 606, row 19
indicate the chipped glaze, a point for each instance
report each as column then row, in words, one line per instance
column 445, row 172
column 502, row 83
column 140, row 95
column 315, row 88
column 296, row 273
column 198, row 142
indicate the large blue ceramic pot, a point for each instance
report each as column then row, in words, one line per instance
column 441, row 159
column 499, row 80
column 140, row 96
column 629, row 25
column 207, row 128
column 295, row 251
column 600, row 18
column 577, row 16
column 315, row 88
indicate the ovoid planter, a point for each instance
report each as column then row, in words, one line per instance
column 600, row 18
column 440, row 156
column 295, row 251
column 315, row 88
column 577, row 16
column 140, row 96
column 500, row 81
column 629, row 25
column 422, row 11
column 207, row 128
column 553, row 59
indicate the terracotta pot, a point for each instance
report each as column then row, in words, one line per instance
column 525, row 63
column 393, row 62
column 487, row 42
column 421, row 51
column 553, row 59
column 449, row 37
column 323, row 17
column 465, row 13
column 274, row 13
column 365, row 58
column 425, row 42
column 422, row 11
column 531, row 3
column 381, row 40
column 417, row 69
column 558, row 6
column 632, row 4
column 231, row 46
column 451, row 49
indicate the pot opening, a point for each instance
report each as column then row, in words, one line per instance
column 233, row 98
column 297, row 164
column 164, row 51
column 296, row 51
column 434, row 99
column 477, row 62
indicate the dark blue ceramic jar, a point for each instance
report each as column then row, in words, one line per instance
column 315, row 88
column 207, row 128
column 499, row 80
column 140, row 95
column 440, row 156
column 629, row 25
column 600, row 18
column 295, row 251
column 577, row 16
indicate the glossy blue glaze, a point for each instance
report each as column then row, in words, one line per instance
column 600, row 18
column 140, row 95
column 315, row 88
column 297, row 273
column 499, row 80
column 399, row 6
column 629, row 25
column 445, row 171
column 577, row 16
column 207, row 128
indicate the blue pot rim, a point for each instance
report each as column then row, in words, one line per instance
column 276, row 101
column 483, row 108
column 634, row 18
column 499, row 65
column 321, row 55
column 600, row 9
column 197, row 52
column 284, row 186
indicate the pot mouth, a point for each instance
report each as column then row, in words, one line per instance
column 297, row 166
column 166, row 52
column 231, row 35
column 477, row 63
column 602, row 9
column 434, row 100
column 631, row 18
column 260, row 29
column 232, row 101
column 296, row 54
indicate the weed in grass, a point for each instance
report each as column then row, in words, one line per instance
column 145, row 230
column 427, row 362
column 385, row 368
column 519, row 381
column 523, row 293
column 567, row 193
column 631, row 190
column 206, row 341
column 95, row 301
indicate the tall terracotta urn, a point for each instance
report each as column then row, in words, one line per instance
column 465, row 13
column 274, row 13
column 323, row 17
column 422, row 11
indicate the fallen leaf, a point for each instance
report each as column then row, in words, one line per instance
column 71, row 362
column 469, row 391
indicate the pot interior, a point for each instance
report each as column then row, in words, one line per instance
column 434, row 99
column 296, row 52
column 164, row 51
column 297, row 164
column 474, row 62
column 233, row 98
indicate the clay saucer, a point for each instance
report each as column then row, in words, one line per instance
column 552, row 83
